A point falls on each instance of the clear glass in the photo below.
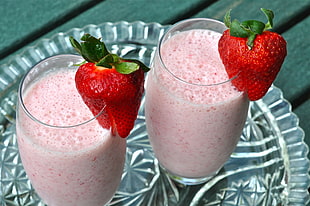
(68, 157)
(193, 126)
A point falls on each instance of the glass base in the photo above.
(187, 180)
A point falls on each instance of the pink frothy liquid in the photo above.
(194, 120)
(79, 165)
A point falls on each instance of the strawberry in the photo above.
(109, 85)
(253, 53)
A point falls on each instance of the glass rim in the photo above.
(170, 72)
(31, 116)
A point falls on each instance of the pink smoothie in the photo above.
(193, 128)
(80, 165)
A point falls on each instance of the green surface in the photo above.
(26, 20)
(161, 11)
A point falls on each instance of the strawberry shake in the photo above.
(68, 156)
(194, 114)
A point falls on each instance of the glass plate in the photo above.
(268, 167)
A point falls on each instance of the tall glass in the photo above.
(194, 115)
(68, 157)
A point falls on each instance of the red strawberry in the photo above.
(109, 84)
(252, 52)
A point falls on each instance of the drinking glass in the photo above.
(192, 128)
(68, 157)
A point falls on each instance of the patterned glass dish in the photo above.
(268, 167)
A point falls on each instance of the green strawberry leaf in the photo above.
(227, 19)
(122, 66)
(237, 30)
(92, 48)
(269, 14)
(126, 67)
(76, 45)
(108, 61)
(142, 66)
(252, 26)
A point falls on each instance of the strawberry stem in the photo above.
(250, 28)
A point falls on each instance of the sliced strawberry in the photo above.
(252, 53)
(109, 85)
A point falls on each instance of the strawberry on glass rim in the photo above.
(249, 50)
(109, 85)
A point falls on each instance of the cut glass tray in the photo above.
(268, 167)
